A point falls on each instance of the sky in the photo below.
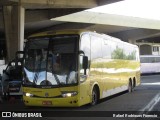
(148, 9)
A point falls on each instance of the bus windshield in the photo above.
(51, 60)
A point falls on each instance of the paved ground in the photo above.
(146, 97)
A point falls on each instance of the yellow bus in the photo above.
(70, 68)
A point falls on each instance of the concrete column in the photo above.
(21, 22)
(8, 31)
(14, 29)
(131, 41)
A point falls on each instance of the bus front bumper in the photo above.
(51, 102)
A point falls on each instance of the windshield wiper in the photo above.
(55, 76)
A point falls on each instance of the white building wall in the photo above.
(155, 48)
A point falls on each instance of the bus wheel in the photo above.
(94, 96)
(134, 84)
(130, 86)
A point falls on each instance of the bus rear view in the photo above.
(150, 64)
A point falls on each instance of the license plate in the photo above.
(46, 102)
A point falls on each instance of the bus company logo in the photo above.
(6, 114)
(46, 94)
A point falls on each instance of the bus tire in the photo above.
(134, 84)
(94, 96)
(130, 86)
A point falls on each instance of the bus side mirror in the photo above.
(81, 52)
(85, 63)
(19, 57)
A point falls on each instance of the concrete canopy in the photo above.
(109, 19)
(66, 14)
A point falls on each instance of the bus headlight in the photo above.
(28, 94)
(69, 94)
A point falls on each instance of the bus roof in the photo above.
(149, 55)
(79, 31)
(66, 31)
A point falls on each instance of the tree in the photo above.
(118, 53)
